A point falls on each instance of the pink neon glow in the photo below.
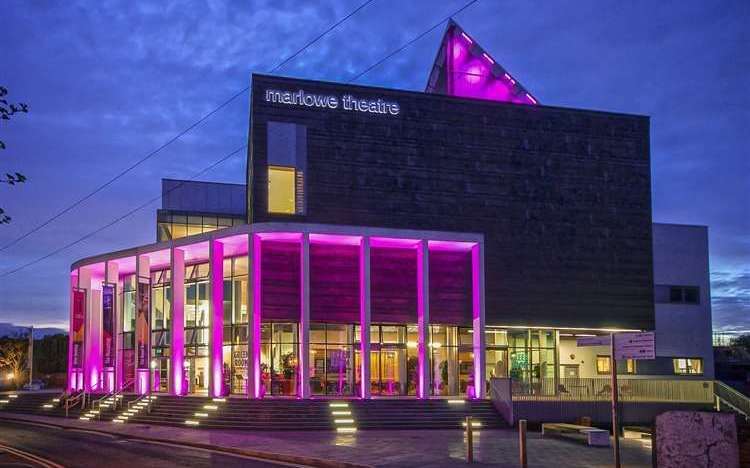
(334, 239)
(179, 386)
(158, 260)
(468, 39)
(142, 381)
(125, 265)
(280, 236)
(476, 300)
(422, 391)
(454, 246)
(217, 319)
(393, 242)
(531, 98)
(256, 305)
(234, 245)
(472, 76)
(72, 377)
(195, 252)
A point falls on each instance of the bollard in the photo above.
(469, 441)
(522, 443)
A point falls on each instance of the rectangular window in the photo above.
(688, 366)
(281, 190)
(602, 365)
(630, 366)
(667, 294)
(287, 164)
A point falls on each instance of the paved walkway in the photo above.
(434, 448)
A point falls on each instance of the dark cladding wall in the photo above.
(562, 195)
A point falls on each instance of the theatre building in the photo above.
(391, 243)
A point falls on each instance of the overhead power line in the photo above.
(180, 134)
(120, 218)
(412, 41)
(144, 205)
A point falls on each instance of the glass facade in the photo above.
(331, 359)
(452, 360)
(196, 327)
(235, 324)
(161, 325)
(279, 357)
(172, 225)
(393, 360)
(128, 301)
(281, 190)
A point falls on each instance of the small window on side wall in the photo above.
(688, 366)
(602, 365)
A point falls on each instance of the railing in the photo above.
(600, 389)
(502, 398)
(731, 397)
(73, 401)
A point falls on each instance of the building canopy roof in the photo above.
(463, 68)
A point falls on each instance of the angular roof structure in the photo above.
(463, 68)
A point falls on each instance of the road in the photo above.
(84, 449)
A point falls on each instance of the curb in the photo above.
(270, 456)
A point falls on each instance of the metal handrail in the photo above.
(137, 400)
(73, 400)
(730, 396)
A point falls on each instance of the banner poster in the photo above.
(128, 364)
(108, 324)
(141, 324)
(79, 326)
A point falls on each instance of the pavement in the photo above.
(393, 448)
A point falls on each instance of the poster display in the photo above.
(142, 325)
(108, 325)
(79, 326)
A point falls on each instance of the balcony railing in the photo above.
(600, 389)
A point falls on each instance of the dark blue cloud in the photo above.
(108, 81)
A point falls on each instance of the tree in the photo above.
(8, 110)
(13, 358)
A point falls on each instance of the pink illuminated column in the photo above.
(143, 324)
(477, 300)
(364, 316)
(216, 314)
(254, 317)
(72, 374)
(119, 323)
(178, 383)
(92, 374)
(423, 318)
(304, 318)
(111, 275)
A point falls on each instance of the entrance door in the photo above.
(198, 375)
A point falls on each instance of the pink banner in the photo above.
(78, 326)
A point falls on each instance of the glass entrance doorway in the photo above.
(197, 370)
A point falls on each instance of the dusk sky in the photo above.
(108, 81)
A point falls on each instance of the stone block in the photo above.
(696, 439)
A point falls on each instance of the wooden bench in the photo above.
(594, 437)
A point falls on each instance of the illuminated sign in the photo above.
(346, 102)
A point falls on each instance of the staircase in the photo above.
(271, 414)
(300, 415)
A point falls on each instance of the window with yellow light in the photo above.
(281, 190)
